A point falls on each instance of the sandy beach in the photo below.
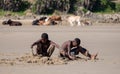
(15, 42)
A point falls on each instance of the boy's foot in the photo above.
(93, 57)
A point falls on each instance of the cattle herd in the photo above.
(52, 20)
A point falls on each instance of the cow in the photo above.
(39, 21)
(35, 22)
(56, 18)
(49, 22)
(73, 20)
(44, 21)
(12, 23)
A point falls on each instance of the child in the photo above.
(45, 47)
(72, 48)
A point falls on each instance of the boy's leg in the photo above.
(63, 53)
(91, 56)
(50, 50)
(74, 52)
(86, 53)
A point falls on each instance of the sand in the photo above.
(16, 58)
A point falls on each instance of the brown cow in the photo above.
(12, 23)
(56, 18)
(39, 21)
(49, 22)
(44, 21)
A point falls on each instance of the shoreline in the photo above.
(29, 23)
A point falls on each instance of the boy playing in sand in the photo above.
(45, 47)
(71, 48)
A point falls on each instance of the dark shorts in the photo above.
(75, 51)
(83, 50)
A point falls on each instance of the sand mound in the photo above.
(28, 59)
(39, 60)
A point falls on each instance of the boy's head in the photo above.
(44, 37)
(76, 42)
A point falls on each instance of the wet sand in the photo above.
(15, 44)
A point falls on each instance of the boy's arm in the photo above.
(35, 43)
(68, 49)
(56, 45)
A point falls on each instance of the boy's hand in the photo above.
(93, 57)
(34, 54)
(31, 47)
(71, 57)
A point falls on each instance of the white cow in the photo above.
(74, 20)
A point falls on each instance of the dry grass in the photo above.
(116, 1)
(32, 1)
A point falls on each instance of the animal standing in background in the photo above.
(12, 23)
(74, 20)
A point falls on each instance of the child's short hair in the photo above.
(44, 36)
(78, 41)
